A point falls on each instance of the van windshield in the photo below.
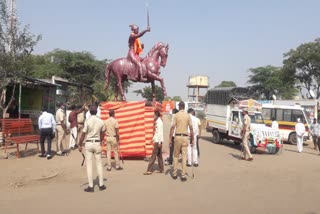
(256, 118)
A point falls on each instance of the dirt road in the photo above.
(286, 183)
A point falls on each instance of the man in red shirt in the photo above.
(74, 125)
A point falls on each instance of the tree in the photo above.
(175, 98)
(146, 93)
(16, 46)
(303, 63)
(77, 67)
(224, 84)
(270, 80)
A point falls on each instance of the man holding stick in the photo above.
(94, 128)
(181, 122)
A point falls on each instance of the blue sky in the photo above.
(220, 39)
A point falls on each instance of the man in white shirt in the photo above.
(300, 130)
(47, 126)
(275, 124)
(157, 145)
(88, 115)
(192, 148)
(169, 161)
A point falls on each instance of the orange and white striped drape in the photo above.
(136, 126)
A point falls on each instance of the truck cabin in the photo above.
(255, 116)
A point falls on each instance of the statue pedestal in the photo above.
(136, 126)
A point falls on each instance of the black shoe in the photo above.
(42, 156)
(49, 157)
(183, 178)
(195, 165)
(119, 168)
(89, 189)
(103, 187)
(174, 177)
(188, 165)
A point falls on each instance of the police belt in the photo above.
(92, 141)
(181, 135)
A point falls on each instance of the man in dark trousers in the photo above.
(181, 122)
(47, 127)
(170, 158)
(157, 145)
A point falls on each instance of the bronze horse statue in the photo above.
(124, 70)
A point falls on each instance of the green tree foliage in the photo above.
(175, 98)
(224, 84)
(76, 67)
(146, 93)
(303, 63)
(16, 45)
(270, 80)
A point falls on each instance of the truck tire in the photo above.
(216, 136)
(293, 138)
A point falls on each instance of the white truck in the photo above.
(224, 121)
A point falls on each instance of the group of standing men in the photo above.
(94, 132)
(184, 134)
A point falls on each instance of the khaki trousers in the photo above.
(112, 144)
(93, 149)
(246, 150)
(60, 136)
(180, 145)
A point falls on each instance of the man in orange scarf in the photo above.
(135, 48)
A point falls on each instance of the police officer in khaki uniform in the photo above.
(245, 136)
(94, 128)
(60, 127)
(112, 139)
(181, 122)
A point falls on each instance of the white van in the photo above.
(286, 116)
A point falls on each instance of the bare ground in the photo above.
(285, 183)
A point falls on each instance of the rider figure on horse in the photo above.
(135, 48)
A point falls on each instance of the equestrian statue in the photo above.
(135, 68)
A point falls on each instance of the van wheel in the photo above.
(216, 136)
(293, 138)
